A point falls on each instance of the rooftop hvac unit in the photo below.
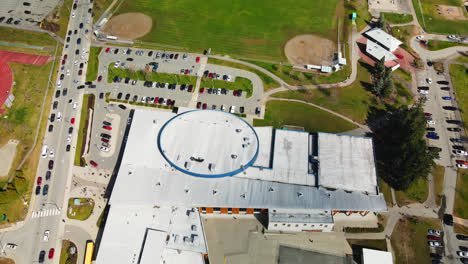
(188, 165)
(212, 166)
(194, 228)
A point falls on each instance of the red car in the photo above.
(234, 93)
(99, 78)
(431, 237)
(210, 75)
(186, 72)
(202, 90)
(107, 127)
(63, 62)
(107, 50)
(80, 72)
(204, 106)
(93, 163)
(51, 253)
(198, 105)
(39, 180)
(399, 56)
(169, 101)
(428, 114)
(198, 59)
(105, 140)
(65, 56)
(72, 120)
(51, 164)
(156, 100)
(462, 162)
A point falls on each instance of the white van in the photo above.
(233, 108)
(59, 116)
(44, 152)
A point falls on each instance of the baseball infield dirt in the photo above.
(129, 25)
(451, 12)
(309, 49)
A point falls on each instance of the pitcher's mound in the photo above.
(309, 49)
(128, 25)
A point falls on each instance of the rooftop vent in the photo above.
(234, 156)
(243, 196)
(246, 139)
(186, 191)
(215, 192)
(194, 228)
(299, 194)
(188, 165)
(212, 166)
(271, 189)
(238, 130)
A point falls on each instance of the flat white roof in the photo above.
(385, 39)
(208, 143)
(347, 162)
(265, 135)
(371, 256)
(378, 52)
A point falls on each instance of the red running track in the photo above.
(6, 78)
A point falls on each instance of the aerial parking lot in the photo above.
(158, 78)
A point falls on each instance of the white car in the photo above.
(429, 80)
(59, 83)
(462, 166)
(434, 244)
(124, 52)
(420, 37)
(68, 72)
(76, 62)
(462, 254)
(223, 107)
(46, 235)
(74, 105)
(431, 122)
(87, 21)
(51, 153)
(69, 139)
(233, 108)
(452, 37)
(11, 246)
(102, 148)
(424, 92)
(143, 99)
(434, 232)
(116, 64)
(73, 15)
(461, 152)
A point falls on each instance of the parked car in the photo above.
(399, 56)
(434, 244)
(41, 256)
(434, 232)
(107, 127)
(51, 253)
(450, 108)
(93, 163)
(432, 237)
(38, 190)
(123, 107)
(46, 235)
(462, 237)
(462, 254)
(448, 98)
(432, 135)
(51, 164)
(45, 190)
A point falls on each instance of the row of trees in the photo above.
(383, 85)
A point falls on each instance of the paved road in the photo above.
(43, 209)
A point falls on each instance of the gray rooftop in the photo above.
(347, 163)
(384, 38)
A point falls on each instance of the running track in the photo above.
(6, 77)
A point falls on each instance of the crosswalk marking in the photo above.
(45, 213)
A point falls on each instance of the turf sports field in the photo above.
(256, 29)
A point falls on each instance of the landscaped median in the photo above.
(80, 208)
(395, 18)
(69, 254)
(93, 64)
(88, 103)
(433, 45)
(149, 76)
(459, 76)
(284, 113)
(240, 83)
(460, 208)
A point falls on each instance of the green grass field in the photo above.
(395, 18)
(81, 128)
(416, 193)
(386, 190)
(268, 82)
(438, 45)
(439, 174)
(93, 64)
(460, 208)
(437, 23)
(32, 38)
(82, 211)
(409, 241)
(280, 113)
(99, 7)
(459, 75)
(462, 59)
(250, 29)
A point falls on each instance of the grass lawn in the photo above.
(460, 208)
(460, 229)
(358, 244)
(361, 9)
(459, 76)
(60, 16)
(403, 74)
(280, 113)
(395, 18)
(65, 253)
(293, 77)
(404, 33)
(26, 37)
(6, 261)
(93, 64)
(268, 82)
(354, 101)
(439, 174)
(99, 6)
(241, 83)
(438, 45)
(416, 193)
(409, 240)
(20, 124)
(239, 27)
(387, 191)
(437, 23)
(462, 59)
(150, 76)
(81, 211)
(83, 128)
